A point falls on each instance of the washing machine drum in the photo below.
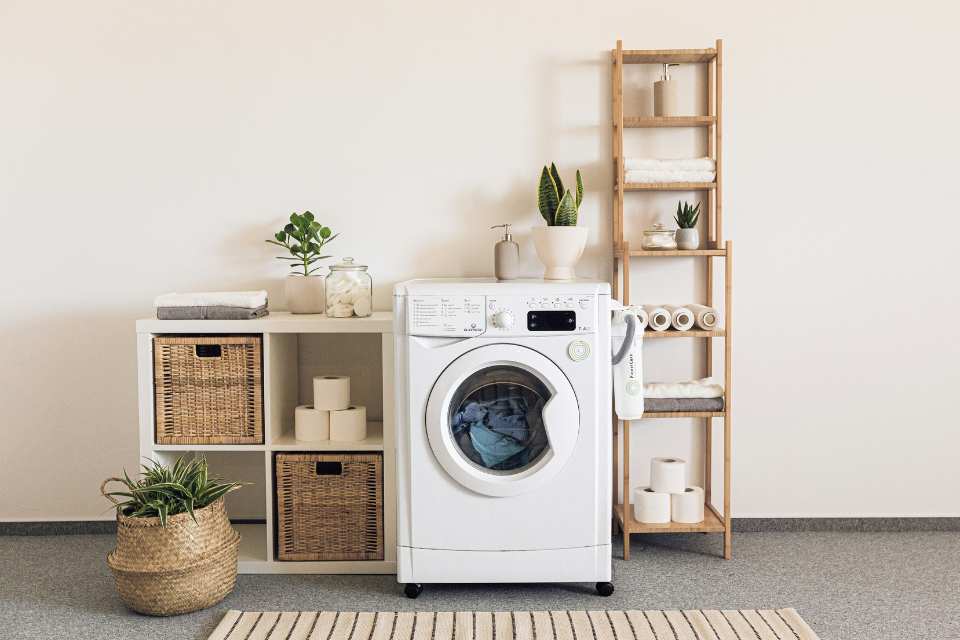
(502, 420)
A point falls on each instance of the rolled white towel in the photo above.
(658, 318)
(667, 164)
(705, 317)
(681, 318)
(646, 177)
(245, 299)
(703, 388)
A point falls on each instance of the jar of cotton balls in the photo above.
(349, 290)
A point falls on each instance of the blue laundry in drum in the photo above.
(498, 428)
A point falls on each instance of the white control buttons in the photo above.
(503, 319)
(578, 350)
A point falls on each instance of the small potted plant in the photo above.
(176, 551)
(560, 244)
(686, 218)
(304, 238)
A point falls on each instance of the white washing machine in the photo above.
(504, 435)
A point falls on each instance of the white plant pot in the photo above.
(688, 239)
(304, 294)
(559, 249)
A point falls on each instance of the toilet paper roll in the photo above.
(668, 475)
(651, 507)
(311, 424)
(658, 318)
(681, 318)
(704, 317)
(349, 425)
(331, 393)
(687, 507)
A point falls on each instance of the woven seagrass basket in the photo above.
(183, 567)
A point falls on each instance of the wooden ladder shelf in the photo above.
(714, 248)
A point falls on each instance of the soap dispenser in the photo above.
(506, 255)
(665, 93)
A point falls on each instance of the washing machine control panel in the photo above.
(507, 315)
(446, 315)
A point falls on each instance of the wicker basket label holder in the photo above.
(329, 506)
(208, 389)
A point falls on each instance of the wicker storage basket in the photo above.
(329, 506)
(183, 567)
(208, 389)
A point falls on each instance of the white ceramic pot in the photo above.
(688, 239)
(304, 294)
(559, 249)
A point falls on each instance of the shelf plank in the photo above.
(656, 415)
(652, 122)
(208, 447)
(711, 524)
(275, 322)
(693, 333)
(660, 56)
(654, 253)
(667, 186)
(374, 442)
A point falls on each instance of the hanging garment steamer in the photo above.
(627, 326)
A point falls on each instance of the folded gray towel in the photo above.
(663, 405)
(210, 313)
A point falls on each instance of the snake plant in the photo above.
(687, 216)
(558, 206)
(163, 491)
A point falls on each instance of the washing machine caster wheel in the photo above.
(605, 589)
(412, 589)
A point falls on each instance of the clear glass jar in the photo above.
(349, 290)
(658, 237)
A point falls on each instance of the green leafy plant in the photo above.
(687, 216)
(163, 491)
(558, 206)
(304, 238)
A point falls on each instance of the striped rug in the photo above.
(706, 624)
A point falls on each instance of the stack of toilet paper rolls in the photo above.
(331, 416)
(668, 498)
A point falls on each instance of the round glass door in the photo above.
(496, 419)
(502, 420)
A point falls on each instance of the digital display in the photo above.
(551, 320)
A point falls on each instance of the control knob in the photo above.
(503, 319)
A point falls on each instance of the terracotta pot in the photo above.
(304, 294)
(559, 249)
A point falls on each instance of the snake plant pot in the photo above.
(688, 239)
(559, 249)
(304, 294)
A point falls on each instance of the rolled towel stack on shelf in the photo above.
(213, 305)
(695, 395)
(668, 498)
(652, 170)
(331, 416)
(681, 317)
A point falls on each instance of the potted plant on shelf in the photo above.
(304, 238)
(687, 216)
(176, 551)
(560, 244)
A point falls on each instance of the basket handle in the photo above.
(103, 490)
(208, 350)
(329, 469)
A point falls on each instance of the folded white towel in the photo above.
(703, 388)
(245, 299)
(664, 164)
(647, 177)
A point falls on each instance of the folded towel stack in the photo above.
(652, 170)
(696, 395)
(216, 305)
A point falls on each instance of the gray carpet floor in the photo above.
(845, 585)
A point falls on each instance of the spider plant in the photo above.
(687, 216)
(163, 491)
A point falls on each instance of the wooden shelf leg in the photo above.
(727, 399)
(627, 511)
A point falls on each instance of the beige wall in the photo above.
(147, 147)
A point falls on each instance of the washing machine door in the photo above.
(502, 420)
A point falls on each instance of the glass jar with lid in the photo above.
(349, 290)
(658, 237)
